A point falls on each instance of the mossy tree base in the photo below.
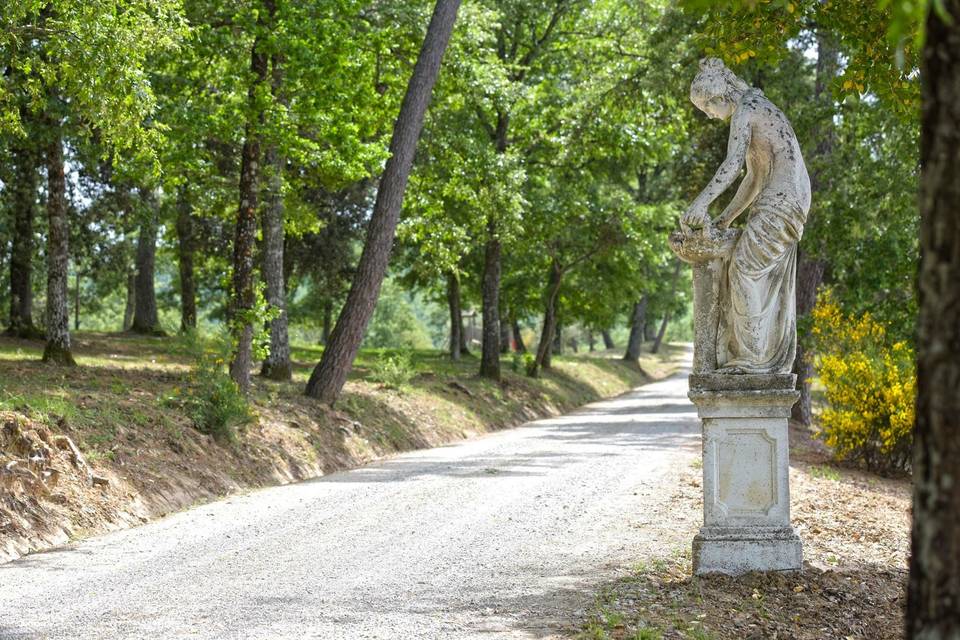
(279, 371)
(56, 354)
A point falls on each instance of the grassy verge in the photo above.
(138, 454)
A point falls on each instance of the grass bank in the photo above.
(106, 445)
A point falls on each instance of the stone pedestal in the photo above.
(746, 466)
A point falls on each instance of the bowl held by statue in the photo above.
(702, 245)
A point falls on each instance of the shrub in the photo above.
(394, 370)
(211, 398)
(870, 388)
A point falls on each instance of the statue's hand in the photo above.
(694, 218)
(722, 223)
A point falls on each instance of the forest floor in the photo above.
(107, 445)
(855, 528)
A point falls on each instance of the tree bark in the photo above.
(591, 341)
(557, 340)
(638, 323)
(243, 299)
(145, 318)
(277, 364)
(186, 243)
(518, 337)
(933, 600)
(809, 276)
(490, 347)
(549, 329)
(607, 340)
(327, 321)
(21, 243)
(811, 267)
(131, 301)
(504, 333)
(57, 349)
(76, 301)
(456, 315)
(330, 374)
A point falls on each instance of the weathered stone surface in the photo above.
(746, 462)
(744, 280)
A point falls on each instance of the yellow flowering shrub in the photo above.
(870, 388)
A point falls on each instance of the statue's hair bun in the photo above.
(711, 63)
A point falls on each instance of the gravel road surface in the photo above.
(503, 536)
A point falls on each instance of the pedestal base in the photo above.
(746, 474)
(735, 551)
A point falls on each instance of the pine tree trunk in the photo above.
(518, 337)
(330, 374)
(277, 364)
(145, 318)
(243, 298)
(933, 601)
(490, 292)
(549, 329)
(456, 315)
(811, 266)
(131, 301)
(57, 349)
(187, 246)
(607, 340)
(638, 323)
(24, 198)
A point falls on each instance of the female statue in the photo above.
(757, 315)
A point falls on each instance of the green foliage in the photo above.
(394, 370)
(210, 397)
(394, 323)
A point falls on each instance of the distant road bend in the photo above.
(502, 536)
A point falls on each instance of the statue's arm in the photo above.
(728, 172)
(746, 194)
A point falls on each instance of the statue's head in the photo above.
(716, 89)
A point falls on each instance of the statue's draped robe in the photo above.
(757, 332)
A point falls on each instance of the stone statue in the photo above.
(745, 324)
(744, 280)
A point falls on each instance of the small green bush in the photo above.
(393, 370)
(211, 398)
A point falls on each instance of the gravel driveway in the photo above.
(504, 536)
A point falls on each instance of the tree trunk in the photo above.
(243, 298)
(591, 341)
(186, 243)
(277, 365)
(607, 340)
(329, 376)
(518, 337)
(131, 300)
(933, 600)
(638, 323)
(76, 301)
(809, 276)
(21, 243)
(145, 318)
(549, 329)
(490, 347)
(558, 340)
(327, 320)
(810, 266)
(504, 333)
(666, 316)
(57, 349)
(456, 315)
(660, 333)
